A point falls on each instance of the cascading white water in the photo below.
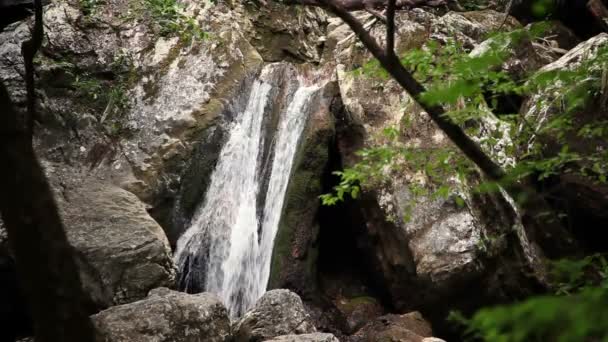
(221, 252)
(290, 128)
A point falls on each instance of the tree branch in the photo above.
(390, 27)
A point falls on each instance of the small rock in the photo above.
(122, 252)
(278, 312)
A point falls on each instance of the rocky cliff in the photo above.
(134, 101)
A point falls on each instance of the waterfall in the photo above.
(227, 248)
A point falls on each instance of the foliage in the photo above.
(577, 311)
(470, 86)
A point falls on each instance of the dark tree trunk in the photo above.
(45, 260)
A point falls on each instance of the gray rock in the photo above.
(122, 252)
(26, 339)
(165, 316)
(278, 312)
(314, 337)
(409, 327)
(3, 238)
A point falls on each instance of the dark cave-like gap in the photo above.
(572, 13)
(344, 271)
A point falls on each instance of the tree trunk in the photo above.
(45, 260)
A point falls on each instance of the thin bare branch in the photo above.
(390, 27)
(46, 262)
(29, 48)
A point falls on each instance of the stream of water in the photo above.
(228, 247)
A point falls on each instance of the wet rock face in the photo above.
(165, 316)
(132, 105)
(440, 247)
(278, 312)
(121, 251)
(295, 250)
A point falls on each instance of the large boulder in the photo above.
(122, 252)
(442, 248)
(278, 312)
(410, 327)
(358, 311)
(314, 337)
(165, 316)
(3, 239)
(584, 195)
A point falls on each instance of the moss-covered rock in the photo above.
(286, 33)
(429, 245)
(294, 260)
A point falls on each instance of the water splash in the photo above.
(222, 250)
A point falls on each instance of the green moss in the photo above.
(297, 229)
